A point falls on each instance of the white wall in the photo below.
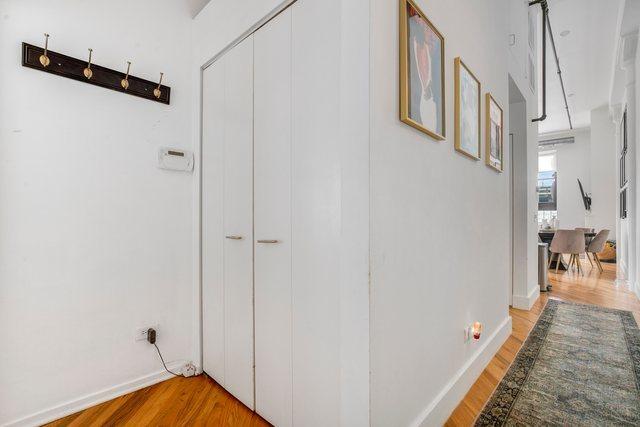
(95, 240)
(330, 197)
(623, 96)
(518, 173)
(439, 226)
(592, 159)
(573, 162)
(525, 170)
(604, 179)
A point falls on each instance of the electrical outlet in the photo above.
(467, 334)
(189, 369)
(141, 333)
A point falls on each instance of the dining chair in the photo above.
(597, 245)
(567, 242)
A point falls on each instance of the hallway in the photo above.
(181, 400)
(592, 288)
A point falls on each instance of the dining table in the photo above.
(546, 236)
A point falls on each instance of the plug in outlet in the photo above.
(189, 369)
(141, 333)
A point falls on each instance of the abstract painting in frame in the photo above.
(422, 103)
(494, 134)
(467, 111)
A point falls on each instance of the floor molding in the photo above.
(437, 412)
(73, 406)
(526, 302)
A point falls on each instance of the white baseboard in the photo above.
(526, 302)
(439, 410)
(81, 403)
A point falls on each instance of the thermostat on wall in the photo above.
(175, 159)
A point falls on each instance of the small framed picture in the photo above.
(421, 72)
(494, 134)
(467, 111)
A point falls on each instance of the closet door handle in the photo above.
(268, 241)
(234, 237)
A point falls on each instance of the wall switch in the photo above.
(141, 333)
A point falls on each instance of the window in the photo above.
(547, 218)
(623, 166)
(547, 191)
(623, 151)
(547, 183)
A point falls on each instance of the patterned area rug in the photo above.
(579, 366)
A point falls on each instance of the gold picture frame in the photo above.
(434, 91)
(496, 164)
(463, 146)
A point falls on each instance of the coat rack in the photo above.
(84, 71)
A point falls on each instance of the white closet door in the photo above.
(272, 98)
(227, 221)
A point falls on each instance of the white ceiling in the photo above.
(195, 6)
(586, 57)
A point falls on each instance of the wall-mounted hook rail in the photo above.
(73, 68)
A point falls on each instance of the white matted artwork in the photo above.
(494, 134)
(467, 111)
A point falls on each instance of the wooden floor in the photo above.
(195, 401)
(200, 401)
(592, 288)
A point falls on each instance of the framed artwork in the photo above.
(494, 134)
(421, 72)
(467, 111)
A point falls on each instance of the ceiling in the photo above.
(586, 56)
(195, 6)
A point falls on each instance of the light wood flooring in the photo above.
(195, 401)
(201, 401)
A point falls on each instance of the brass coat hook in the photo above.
(157, 92)
(125, 82)
(44, 59)
(87, 71)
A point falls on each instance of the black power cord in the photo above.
(151, 337)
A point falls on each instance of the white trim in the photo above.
(526, 302)
(439, 410)
(92, 399)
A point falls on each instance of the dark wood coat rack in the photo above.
(73, 68)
